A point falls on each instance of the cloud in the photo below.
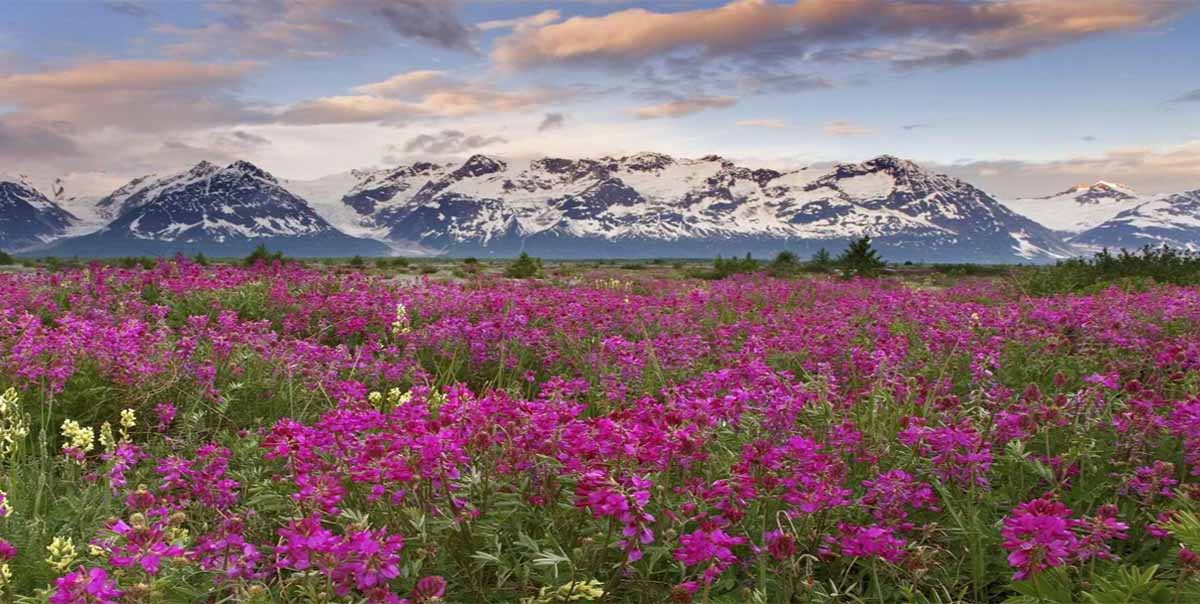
(133, 95)
(348, 110)
(917, 126)
(682, 107)
(541, 19)
(128, 8)
(417, 94)
(762, 123)
(407, 84)
(844, 128)
(1149, 169)
(316, 28)
(552, 121)
(449, 142)
(1191, 97)
(905, 32)
(22, 142)
(238, 140)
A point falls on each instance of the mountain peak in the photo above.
(891, 163)
(248, 169)
(480, 165)
(646, 161)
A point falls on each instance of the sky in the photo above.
(1021, 97)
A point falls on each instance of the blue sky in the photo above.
(1020, 96)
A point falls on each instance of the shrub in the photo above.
(821, 261)
(725, 267)
(860, 259)
(1126, 268)
(524, 267)
(261, 254)
(785, 264)
(5, 259)
(356, 261)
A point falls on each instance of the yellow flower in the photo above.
(574, 591)
(5, 509)
(375, 397)
(106, 437)
(62, 553)
(79, 437)
(5, 576)
(401, 324)
(128, 419)
(14, 425)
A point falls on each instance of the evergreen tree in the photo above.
(524, 267)
(785, 264)
(860, 259)
(822, 261)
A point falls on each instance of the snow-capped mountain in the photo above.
(1079, 208)
(27, 217)
(651, 204)
(1172, 220)
(223, 211)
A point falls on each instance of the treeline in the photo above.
(859, 259)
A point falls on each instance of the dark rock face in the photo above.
(28, 218)
(1173, 220)
(652, 202)
(217, 209)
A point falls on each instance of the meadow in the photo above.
(182, 431)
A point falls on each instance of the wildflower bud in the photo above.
(138, 521)
(62, 553)
(138, 592)
(128, 419)
(177, 518)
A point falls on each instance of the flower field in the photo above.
(188, 433)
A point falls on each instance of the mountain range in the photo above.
(643, 205)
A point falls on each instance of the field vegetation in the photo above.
(820, 430)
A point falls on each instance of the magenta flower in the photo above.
(708, 546)
(7, 551)
(1038, 535)
(429, 589)
(90, 586)
(871, 541)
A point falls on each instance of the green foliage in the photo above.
(860, 259)
(398, 262)
(6, 259)
(524, 267)
(726, 267)
(822, 261)
(968, 270)
(356, 262)
(201, 259)
(785, 264)
(1131, 270)
(135, 262)
(261, 254)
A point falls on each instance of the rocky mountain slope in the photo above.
(27, 218)
(1172, 220)
(222, 211)
(1079, 208)
(656, 205)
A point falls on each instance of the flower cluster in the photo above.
(286, 433)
